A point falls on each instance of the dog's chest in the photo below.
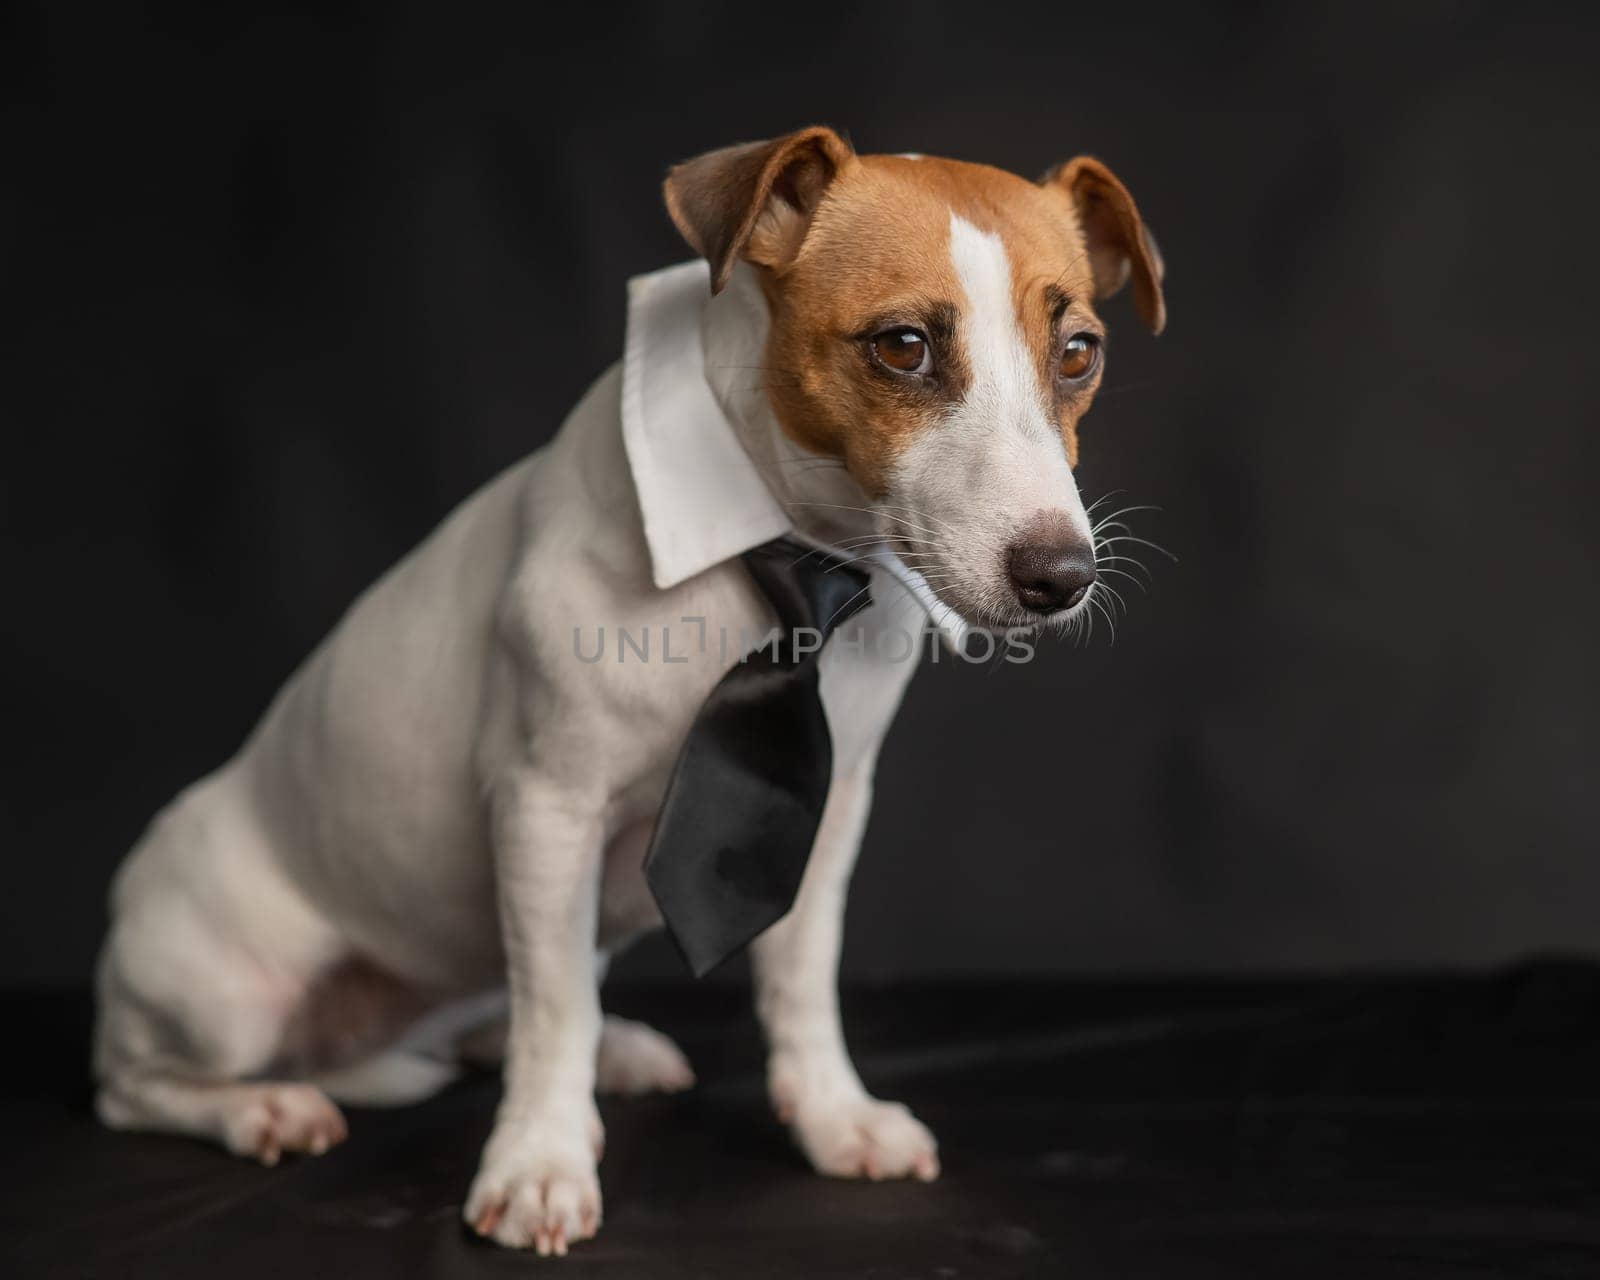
(657, 686)
(621, 679)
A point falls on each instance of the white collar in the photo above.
(701, 496)
(702, 499)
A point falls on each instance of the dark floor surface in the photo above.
(1371, 1130)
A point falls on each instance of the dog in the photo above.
(430, 846)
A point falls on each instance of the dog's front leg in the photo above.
(843, 1130)
(536, 1182)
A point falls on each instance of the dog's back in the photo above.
(349, 825)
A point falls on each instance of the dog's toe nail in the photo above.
(488, 1219)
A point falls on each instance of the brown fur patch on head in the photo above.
(848, 246)
(877, 255)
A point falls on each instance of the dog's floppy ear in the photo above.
(1119, 244)
(754, 200)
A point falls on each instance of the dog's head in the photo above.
(933, 327)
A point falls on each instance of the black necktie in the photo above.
(745, 800)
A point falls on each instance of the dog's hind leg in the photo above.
(206, 969)
(632, 1058)
(261, 1120)
(182, 1061)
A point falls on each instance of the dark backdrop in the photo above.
(284, 289)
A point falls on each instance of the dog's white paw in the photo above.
(264, 1121)
(858, 1136)
(536, 1185)
(635, 1059)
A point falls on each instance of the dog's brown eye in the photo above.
(1079, 356)
(903, 350)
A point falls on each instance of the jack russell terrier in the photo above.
(433, 842)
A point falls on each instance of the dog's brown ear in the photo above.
(754, 200)
(1119, 244)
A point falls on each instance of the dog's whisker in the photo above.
(1110, 536)
(1143, 542)
(836, 506)
(1138, 574)
(1132, 507)
(854, 544)
(1113, 593)
(1123, 573)
(900, 522)
(1124, 511)
(1104, 497)
(926, 515)
(1114, 520)
(1111, 622)
(845, 606)
(868, 511)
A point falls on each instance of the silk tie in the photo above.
(745, 800)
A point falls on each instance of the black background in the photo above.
(285, 288)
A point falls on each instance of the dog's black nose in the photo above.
(1051, 566)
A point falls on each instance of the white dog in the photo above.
(452, 796)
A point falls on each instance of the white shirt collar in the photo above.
(702, 499)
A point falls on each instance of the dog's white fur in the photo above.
(996, 454)
(447, 792)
